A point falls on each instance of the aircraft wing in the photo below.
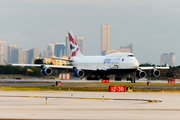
(150, 68)
(57, 66)
(42, 65)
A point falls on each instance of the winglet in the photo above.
(6, 62)
(167, 65)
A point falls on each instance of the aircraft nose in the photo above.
(136, 64)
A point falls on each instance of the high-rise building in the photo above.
(128, 48)
(105, 38)
(68, 53)
(18, 56)
(3, 52)
(59, 50)
(11, 49)
(51, 47)
(168, 59)
(80, 43)
(32, 53)
(45, 53)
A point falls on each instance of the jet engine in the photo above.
(46, 71)
(79, 73)
(140, 74)
(155, 73)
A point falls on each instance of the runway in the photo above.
(88, 105)
(30, 82)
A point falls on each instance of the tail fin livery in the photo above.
(75, 51)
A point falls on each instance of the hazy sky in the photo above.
(153, 26)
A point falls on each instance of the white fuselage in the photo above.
(111, 61)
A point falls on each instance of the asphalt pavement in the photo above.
(43, 82)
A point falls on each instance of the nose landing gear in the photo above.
(117, 78)
(131, 79)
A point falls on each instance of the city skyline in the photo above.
(152, 26)
(18, 55)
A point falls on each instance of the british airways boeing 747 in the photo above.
(100, 66)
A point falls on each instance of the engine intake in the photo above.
(155, 73)
(140, 74)
(79, 73)
(46, 71)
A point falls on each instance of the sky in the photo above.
(152, 26)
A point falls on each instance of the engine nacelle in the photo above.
(155, 73)
(46, 71)
(140, 74)
(79, 73)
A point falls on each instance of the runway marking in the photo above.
(150, 101)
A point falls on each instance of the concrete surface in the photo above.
(60, 105)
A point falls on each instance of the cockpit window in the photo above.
(130, 56)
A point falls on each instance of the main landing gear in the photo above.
(92, 78)
(117, 78)
(105, 78)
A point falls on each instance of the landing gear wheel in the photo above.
(106, 78)
(133, 80)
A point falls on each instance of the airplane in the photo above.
(101, 67)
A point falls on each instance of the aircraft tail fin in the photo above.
(74, 48)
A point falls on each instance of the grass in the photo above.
(73, 88)
(53, 88)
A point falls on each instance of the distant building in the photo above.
(18, 56)
(128, 48)
(32, 53)
(168, 59)
(54, 61)
(45, 53)
(11, 49)
(124, 50)
(59, 50)
(68, 53)
(3, 52)
(51, 47)
(105, 38)
(111, 51)
(80, 43)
